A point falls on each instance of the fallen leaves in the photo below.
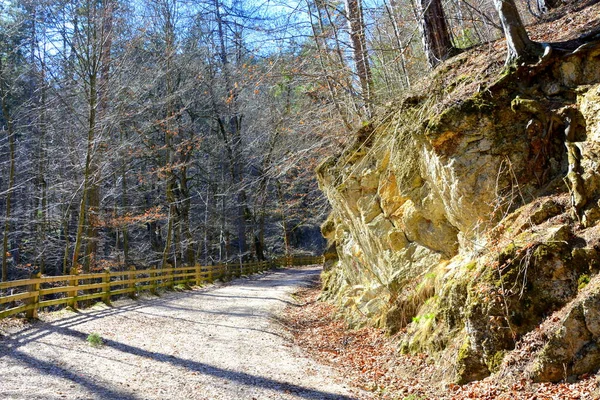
(372, 362)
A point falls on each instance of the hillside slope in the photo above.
(467, 216)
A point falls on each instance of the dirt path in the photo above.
(212, 343)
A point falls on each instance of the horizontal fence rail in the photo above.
(39, 291)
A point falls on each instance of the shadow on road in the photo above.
(10, 345)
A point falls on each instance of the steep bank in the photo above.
(467, 216)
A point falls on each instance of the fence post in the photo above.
(198, 275)
(153, 281)
(106, 287)
(131, 284)
(74, 282)
(33, 288)
(189, 279)
(171, 278)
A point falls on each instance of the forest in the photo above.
(175, 132)
(301, 199)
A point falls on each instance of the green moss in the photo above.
(494, 362)
(328, 226)
(464, 350)
(507, 253)
(469, 364)
(471, 265)
(583, 281)
(432, 301)
(525, 105)
(404, 348)
(552, 249)
(424, 317)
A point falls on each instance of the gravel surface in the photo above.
(220, 342)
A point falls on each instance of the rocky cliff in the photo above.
(466, 219)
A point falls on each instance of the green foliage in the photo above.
(95, 340)
(465, 39)
(413, 397)
(471, 265)
(426, 282)
(424, 317)
(583, 281)
(495, 361)
(180, 287)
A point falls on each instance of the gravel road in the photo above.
(219, 342)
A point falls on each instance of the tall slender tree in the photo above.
(437, 43)
(357, 30)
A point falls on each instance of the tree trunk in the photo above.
(11, 173)
(520, 47)
(169, 29)
(41, 180)
(434, 31)
(167, 248)
(104, 40)
(124, 204)
(546, 5)
(87, 173)
(332, 94)
(356, 26)
(65, 232)
(391, 11)
(186, 205)
(286, 236)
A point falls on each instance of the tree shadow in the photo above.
(289, 303)
(9, 348)
(48, 368)
(241, 328)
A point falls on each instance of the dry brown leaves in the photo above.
(371, 361)
(570, 23)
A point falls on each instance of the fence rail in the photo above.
(45, 291)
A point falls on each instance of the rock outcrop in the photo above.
(465, 223)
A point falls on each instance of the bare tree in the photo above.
(437, 43)
(519, 45)
(356, 27)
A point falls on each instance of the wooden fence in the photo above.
(45, 291)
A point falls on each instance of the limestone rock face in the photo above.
(465, 225)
